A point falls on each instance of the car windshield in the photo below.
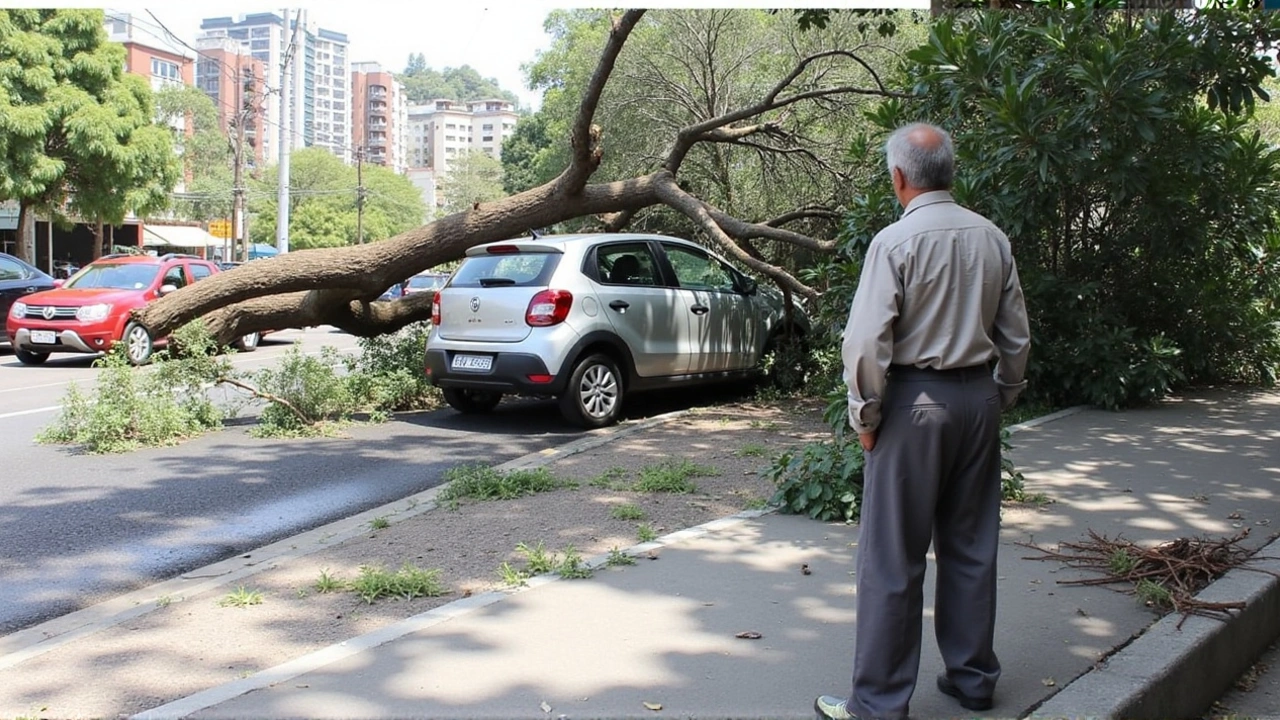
(130, 276)
(426, 282)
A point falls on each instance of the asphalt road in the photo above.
(76, 529)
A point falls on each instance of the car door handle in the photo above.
(619, 305)
(700, 309)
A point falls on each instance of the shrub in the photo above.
(303, 391)
(388, 374)
(132, 407)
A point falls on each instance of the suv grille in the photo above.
(37, 312)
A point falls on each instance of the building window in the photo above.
(165, 69)
(260, 45)
(487, 138)
(260, 32)
(487, 126)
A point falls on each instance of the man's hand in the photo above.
(868, 440)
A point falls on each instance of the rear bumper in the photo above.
(509, 373)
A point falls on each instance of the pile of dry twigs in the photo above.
(1165, 577)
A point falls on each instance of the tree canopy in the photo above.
(205, 151)
(322, 202)
(423, 84)
(76, 133)
(473, 177)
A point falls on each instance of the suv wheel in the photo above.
(594, 396)
(248, 343)
(26, 357)
(137, 344)
(472, 401)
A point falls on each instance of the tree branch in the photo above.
(671, 194)
(585, 137)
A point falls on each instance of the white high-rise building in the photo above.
(443, 129)
(320, 78)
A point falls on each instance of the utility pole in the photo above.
(360, 195)
(286, 135)
(239, 249)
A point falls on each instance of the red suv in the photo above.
(91, 312)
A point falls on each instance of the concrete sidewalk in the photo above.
(664, 632)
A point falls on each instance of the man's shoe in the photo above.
(832, 708)
(968, 703)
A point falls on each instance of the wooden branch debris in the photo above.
(1166, 576)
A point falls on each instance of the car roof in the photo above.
(573, 241)
(123, 258)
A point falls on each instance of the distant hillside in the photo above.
(422, 84)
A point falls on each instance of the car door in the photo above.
(15, 281)
(719, 313)
(649, 317)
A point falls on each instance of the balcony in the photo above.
(377, 92)
(376, 143)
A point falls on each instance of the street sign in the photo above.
(220, 228)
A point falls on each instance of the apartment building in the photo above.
(146, 56)
(237, 83)
(320, 81)
(444, 129)
(379, 116)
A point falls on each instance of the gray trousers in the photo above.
(933, 474)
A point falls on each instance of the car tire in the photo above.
(138, 345)
(248, 343)
(472, 401)
(26, 357)
(593, 398)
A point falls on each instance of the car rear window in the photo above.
(434, 282)
(514, 270)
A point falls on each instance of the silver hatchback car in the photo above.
(589, 319)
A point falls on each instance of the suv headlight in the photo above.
(92, 313)
(18, 310)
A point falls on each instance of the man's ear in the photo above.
(899, 179)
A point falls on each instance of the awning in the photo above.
(183, 236)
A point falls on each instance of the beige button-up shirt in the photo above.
(939, 289)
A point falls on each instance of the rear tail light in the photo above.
(435, 310)
(502, 249)
(549, 307)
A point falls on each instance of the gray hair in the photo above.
(924, 154)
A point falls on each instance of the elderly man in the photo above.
(938, 301)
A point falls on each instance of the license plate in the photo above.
(472, 362)
(44, 337)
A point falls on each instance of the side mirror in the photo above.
(748, 286)
(166, 289)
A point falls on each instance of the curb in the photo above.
(1169, 672)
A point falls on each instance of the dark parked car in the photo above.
(17, 279)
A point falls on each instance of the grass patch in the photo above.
(671, 476)
(481, 482)
(617, 557)
(752, 450)
(408, 582)
(611, 479)
(627, 511)
(572, 567)
(646, 533)
(241, 598)
(328, 583)
(379, 523)
(539, 560)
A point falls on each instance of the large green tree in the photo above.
(76, 134)
(322, 203)
(1140, 200)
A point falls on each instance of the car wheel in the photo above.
(594, 396)
(472, 401)
(248, 343)
(137, 344)
(26, 357)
